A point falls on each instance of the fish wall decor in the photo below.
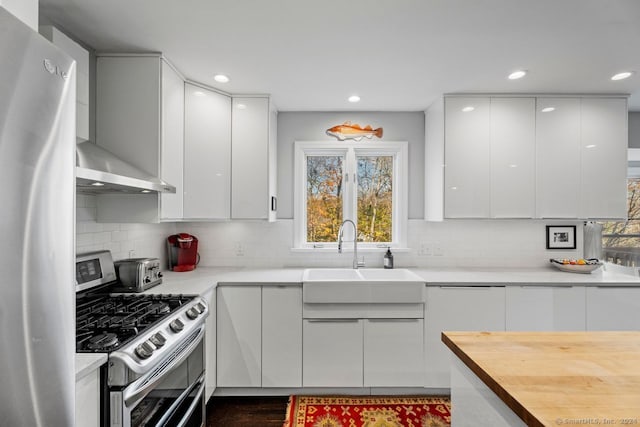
(353, 131)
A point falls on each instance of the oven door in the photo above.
(172, 395)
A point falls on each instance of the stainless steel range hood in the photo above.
(100, 171)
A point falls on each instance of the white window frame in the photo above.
(351, 149)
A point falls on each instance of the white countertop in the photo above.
(521, 276)
(88, 362)
(203, 279)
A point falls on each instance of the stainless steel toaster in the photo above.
(137, 274)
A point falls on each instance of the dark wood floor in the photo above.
(246, 411)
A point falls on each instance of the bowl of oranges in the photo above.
(576, 265)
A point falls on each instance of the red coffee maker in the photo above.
(183, 252)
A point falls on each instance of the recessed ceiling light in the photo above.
(548, 109)
(517, 75)
(590, 146)
(221, 78)
(97, 184)
(354, 98)
(622, 76)
(467, 109)
(145, 191)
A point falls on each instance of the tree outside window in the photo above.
(623, 237)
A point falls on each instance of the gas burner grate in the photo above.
(101, 317)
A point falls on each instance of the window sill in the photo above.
(334, 250)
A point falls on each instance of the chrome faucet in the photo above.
(356, 263)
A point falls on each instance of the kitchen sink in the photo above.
(330, 274)
(361, 286)
(359, 275)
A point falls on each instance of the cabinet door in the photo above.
(239, 338)
(613, 309)
(172, 142)
(557, 157)
(250, 158)
(512, 157)
(531, 308)
(210, 343)
(332, 353)
(604, 158)
(128, 109)
(88, 400)
(282, 336)
(473, 308)
(393, 353)
(207, 154)
(467, 158)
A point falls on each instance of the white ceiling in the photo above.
(398, 55)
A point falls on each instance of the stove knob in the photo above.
(158, 340)
(145, 350)
(193, 313)
(201, 307)
(147, 279)
(159, 274)
(176, 326)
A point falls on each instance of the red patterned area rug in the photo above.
(368, 411)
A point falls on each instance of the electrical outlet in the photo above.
(132, 253)
(437, 249)
(424, 250)
(239, 249)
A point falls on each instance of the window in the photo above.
(621, 239)
(361, 181)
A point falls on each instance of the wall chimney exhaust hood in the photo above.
(100, 171)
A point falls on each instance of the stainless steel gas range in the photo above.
(155, 374)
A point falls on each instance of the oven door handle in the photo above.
(140, 388)
(193, 405)
(199, 384)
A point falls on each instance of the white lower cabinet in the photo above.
(613, 308)
(239, 352)
(363, 353)
(332, 353)
(545, 308)
(282, 336)
(88, 400)
(457, 308)
(259, 336)
(393, 353)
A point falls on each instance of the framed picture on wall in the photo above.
(561, 236)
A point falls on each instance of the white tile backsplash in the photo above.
(123, 240)
(452, 243)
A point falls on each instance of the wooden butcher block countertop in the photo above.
(557, 378)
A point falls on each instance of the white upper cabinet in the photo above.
(207, 154)
(253, 159)
(526, 157)
(603, 150)
(512, 157)
(557, 157)
(172, 151)
(139, 117)
(81, 56)
(467, 158)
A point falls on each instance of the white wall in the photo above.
(25, 10)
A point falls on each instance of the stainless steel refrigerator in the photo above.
(37, 225)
